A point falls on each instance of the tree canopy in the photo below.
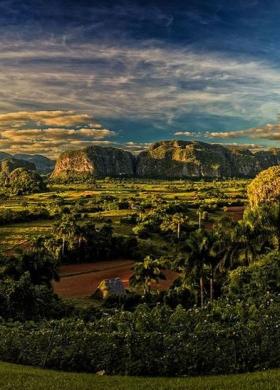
(265, 188)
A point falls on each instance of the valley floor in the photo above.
(15, 377)
(81, 280)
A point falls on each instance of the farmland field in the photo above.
(229, 196)
(231, 193)
(81, 280)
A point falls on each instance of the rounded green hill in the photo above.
(265, 188)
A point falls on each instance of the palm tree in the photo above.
(268, 218)
(177, 221)
(68, 230)
(238, 243)
(147, 272)
(202, 215)
(248, 239)
(174, 223)
(198, 248)
(221, 250)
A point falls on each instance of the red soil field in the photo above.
(236, 212)
(81, 280)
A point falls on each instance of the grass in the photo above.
(15, 377)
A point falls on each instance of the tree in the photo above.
(247, 241)
(222, 240)
(268, 219)
(253, 282)
(198, 257)
(147, 272)
(38, 263)
(202, 216)
(174, 223)
(68, 230)
(23, 181)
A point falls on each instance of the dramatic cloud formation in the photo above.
(159, 84)
(144, 70)
(49, 132)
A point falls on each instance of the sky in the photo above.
(75, 73)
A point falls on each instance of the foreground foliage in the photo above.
(226, 337)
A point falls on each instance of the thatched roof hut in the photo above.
(109, 287)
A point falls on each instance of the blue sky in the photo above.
(135, 72)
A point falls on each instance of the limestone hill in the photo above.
(166, 159)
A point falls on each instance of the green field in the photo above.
(15, 377)
(193, 193)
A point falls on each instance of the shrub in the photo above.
(228, 337)
(22, 181)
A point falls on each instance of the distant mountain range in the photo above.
(42, 163)
(166, 159)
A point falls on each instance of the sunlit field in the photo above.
(229, 193)
(220, 197)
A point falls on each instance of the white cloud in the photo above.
(186, 133)
(32, 132)
(266, 132)
(150, 81)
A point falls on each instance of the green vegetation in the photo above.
(265, 188)
(219, 316)
(21, 181)
(164, 159)
(15, 377)
(29, 216)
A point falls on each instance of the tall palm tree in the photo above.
(147, 272)
(249, 238)
(198, 251)
(222, 243)
(174, 223)
(240, 242)
(202, 216)
(177, 221)
(68, 230)
(268, 217)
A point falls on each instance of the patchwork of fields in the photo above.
(136, 195)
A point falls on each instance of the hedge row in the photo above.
(223, 339)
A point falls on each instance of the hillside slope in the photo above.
(166, 159)
(174, 159)
(43, 164)
(94, 161)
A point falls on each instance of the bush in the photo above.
(21, 300)
(22, 181)
(225, 338)
(259, 278)
(8, 216)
